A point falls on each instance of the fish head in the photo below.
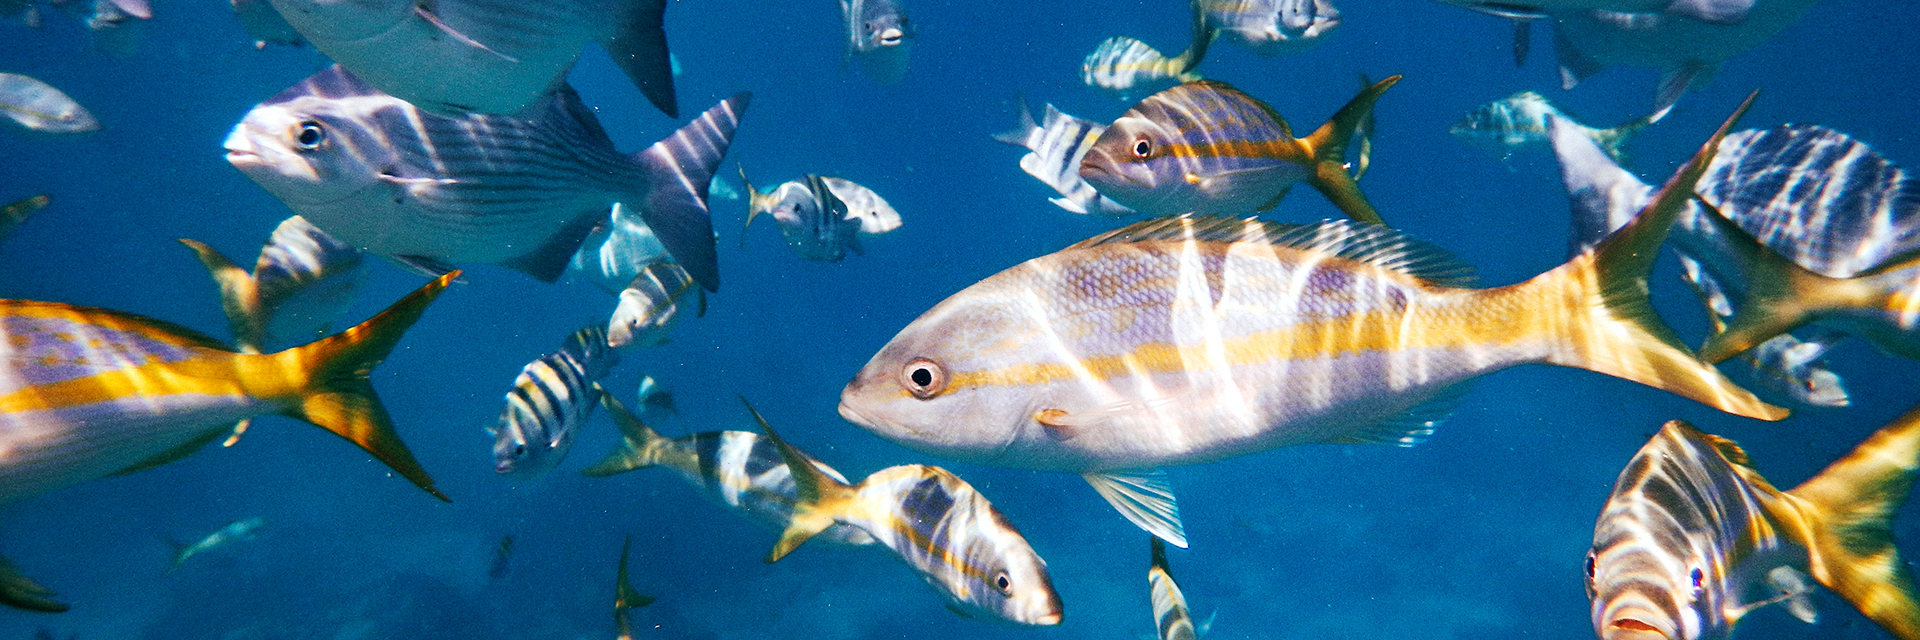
(976, 558)
(318, 143)
(1016, 587)
(1135, 162)
(520, 448)
(1656, 570)
(326, 21)
(882, 24)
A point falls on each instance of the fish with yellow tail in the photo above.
(1188, 340)
(86, 393)
(1207, 148)
(936, 523)
(625, 597)
(1693, 538)
(1130, 67)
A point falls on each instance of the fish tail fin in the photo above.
(1020, 134)
(1781, 296)
(1849, 508)
(813, 492)
(625, 597)
(237, 296)
(679, 168)
(337, 394)
(639, 47)
(1183, 64)
(21, 592)
(755, 202)
(1328, 145)
(639, 444)
(1611, 139)
(1610, 326)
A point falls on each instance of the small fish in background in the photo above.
(1729, 12)
(649, 307)
(935, 522)
(502, 57)
(879, 33)
(1676, 38)
(265, 25)
(39, 107)
(550, 400)
(721, 188)
(22, 10)
(1520, 120)
(625, 597)
(1127, 66)
(1693, 538)
(738, 469)
(1055, 147)
(1784, 366)
(656, 403)
(21, 592)
(1271, 27)
(522, 192)
(1207, 148)
(236, 531)
(12, 215)
(821, 217)
(618, 250)
(502, 559)
(301, 283)
(1170, 615)
(116, 24)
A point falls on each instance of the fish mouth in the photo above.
(1633, 629)
(1048, 620)
(891, 37)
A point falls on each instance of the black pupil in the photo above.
(924, 377)
(519, 450)
(310, 134)
(1696, 578)
(1589, 566)
(1141, 148)
(1003, 582)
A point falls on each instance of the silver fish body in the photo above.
(650, 306)
(1170, 615)
(816, 223)
(1130, 67)
(1675, 39)
(1056, 145)
(550, 400)
(1520, 120)
(618, 251)
(38, 106)
(234, 532)
(302, 282)
(864, 206)
(1272, 27)
(880, 34)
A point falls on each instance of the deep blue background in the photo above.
(1479, 533)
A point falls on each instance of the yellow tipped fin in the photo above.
(637, 440)
(237, 296)
(811, 489)
(1328, 145)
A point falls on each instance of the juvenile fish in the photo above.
(302, 281)
(878, 32)
(521, 192)
(1520, 120)
(650, 306)
(39, 107)
(1272, 27)
(1693, 538)
(233, 532)
(936, 523)
(625, 597)
(11, 216)
(550, 400)
(1056, 146)
(1206, 148)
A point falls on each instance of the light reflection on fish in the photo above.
(1520, 120)
(880, 34)
(550, 400)
(234, 532)
(821, 217)
(38, 106)
(1055, 147)
(302, 281)
(649, 307)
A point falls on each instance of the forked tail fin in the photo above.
(1328, 146)
(814, 494)
(639, 444)
(679, 168)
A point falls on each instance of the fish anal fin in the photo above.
(178, 452)
(639, 48)
(547, 262)
(815, 493)
(19, 591)
(1145, 498)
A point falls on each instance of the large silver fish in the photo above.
(234, 532)
(451, 57)
(1693, 538)
(1520, 120)
(522, 192)
(936, 523)
(1055, 147)
(1188, 340)
(302, 281)
(650, 306)
(264, 24)
(1686, 46)
(39, 107)
(879, 33)
(550, 400)
(1271, 27)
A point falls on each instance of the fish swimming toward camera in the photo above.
(550, 400)
(1520, 120)
(1685, 45)
(1693, 538)
(738, 469)
(302, 281)
(880, 34)
(1271, 27)
(821, 217)
(522, 192)
(1188, 340)
(1207, 148)
(39, 107)
(1055, 147)
(936, 523)
(650, 306)
(236, 531)
(86, 393)
(625, 597)
(12, 215)
(502, 57)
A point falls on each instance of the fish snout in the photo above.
(240, 148)
(1635, 622)
(892, 36)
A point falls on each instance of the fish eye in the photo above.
(923, 378)
(1004, 583)
(1698, 578)
(310, 136)
(1142, 148)
(519, 451)
(1590, 567)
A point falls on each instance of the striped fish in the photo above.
(738, 469)
(39, 107)
(879, 33)
(625, 597)
(487, 56)
(816, 222)
(618, 251)
(522, 192)
(1206, 148)
(550, 400)
(649, 307)
(86, 393)
(1693, 538)
(1170, 615)
(936, 523)
(1272, 27)
(1055, 148)
(12, 215)
(1520, 120)
(302, 281)
(1188, 340)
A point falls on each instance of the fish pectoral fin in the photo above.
(462, 38)
(178, 452)
(17, 590)
(395, 179)
(1146, 498)
(1795, 587)
(1063, 424)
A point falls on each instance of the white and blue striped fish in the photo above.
(550, 400)
(302, 281)
(1693, 538)
(816, 220)
(936, 523)
(1170, 615)
(1272, 27)
(739, 469)
(650, 306)
(523, 192)
(1055, 147)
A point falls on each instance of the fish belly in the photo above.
(421, 63)
(45, 450)
(450, 226)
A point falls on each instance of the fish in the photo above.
(86, 393)
(936, 523)
(1170, 615)
(499, 57)
(625, 597)
(302, 282)
(1686, 47)
(550, 400)
(1693, 538)
(385, 177)
(1725, 12)
(1520, 120)
(265, 25)
(649, 307)
(1207, 148)
(617, 251)
(234, 532)
(1271, 27)
(1055, 147)
(39, 107)
(116, 24)
(502, 559)
(738, 469)
(816, 223)
(879, 33)
(1786, 365)
(13, 215)
(1187, 340)
(875, 216)
(1124, 66)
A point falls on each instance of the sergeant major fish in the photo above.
(38, 106)
(1170, 615)
(86, 393)
(383, 176)
(1125, 66)
(233, 532)
(936, 523)
(1271, 27)
(550, 399)
(878, 32)
(1056, 146)
(1520, 120)
(649, 307)
(822, 217)
(1188, 340)
(1693, 538)
(1206, 148)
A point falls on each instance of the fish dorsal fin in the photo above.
(1371, 244)
(1730, 450)
(1145, 498)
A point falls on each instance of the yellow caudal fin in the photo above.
(1328, 148)
(756, 201)
(1604, 320)
(238, 297)
(1183, 64)
(337, 394)
(639, 444)
(813, 492)
(19, 591)
(1848, 510)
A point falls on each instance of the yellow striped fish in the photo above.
(86, 393)
(936, 523)
(1693, 538)
(1207, 148)
(1188, 340)
(1121, 64)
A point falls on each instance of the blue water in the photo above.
(1479, 533)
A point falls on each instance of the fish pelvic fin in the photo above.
(1846, 514)
(814, 494)
(21, 592)
(338, 395)
(1146, 498)
(1327, 147)
(239, 298)
(679, 168)
(640, 445)
(1608, 324)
